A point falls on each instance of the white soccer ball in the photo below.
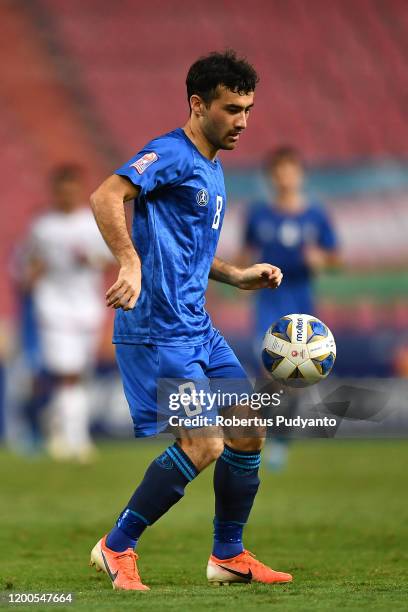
(298, 350)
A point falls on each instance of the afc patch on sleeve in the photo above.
(144, 162)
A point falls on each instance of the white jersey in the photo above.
(69, 295)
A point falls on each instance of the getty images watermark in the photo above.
(333, 408)
(199, 408)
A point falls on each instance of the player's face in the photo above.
(287, 176)
(224, 120)
(68, 195)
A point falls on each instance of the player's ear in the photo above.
(197, 105)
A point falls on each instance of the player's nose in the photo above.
(241, 121)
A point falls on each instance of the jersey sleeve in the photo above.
(162, 162)
(327, 238)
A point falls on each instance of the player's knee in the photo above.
(215, 449)
(247, 444)
(202, 451)
(209, 450)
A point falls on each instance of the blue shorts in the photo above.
(148, 369)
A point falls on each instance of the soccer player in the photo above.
(63, 272)
(298, 236)
(162, 329)
(293, 232)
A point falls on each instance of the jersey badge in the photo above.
(144, 162)
(202, 197)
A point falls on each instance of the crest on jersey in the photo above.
(202, 197)
(144, 162)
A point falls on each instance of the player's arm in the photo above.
(32, 271)
(30, 265)
(257, 276)
(324, 254)
(108, 207)
(319, 259)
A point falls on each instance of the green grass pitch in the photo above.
(337, 519)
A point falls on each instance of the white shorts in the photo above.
(68, 352)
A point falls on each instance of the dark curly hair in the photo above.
(215, 69)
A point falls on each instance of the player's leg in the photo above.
(278, 441)
(70, 428)
(66, 356)
(236, 483)
(236, 471)
(168, 475)
(163, 485)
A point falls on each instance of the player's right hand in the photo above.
(125, 292)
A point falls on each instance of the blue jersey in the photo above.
(177, 221)
(280, 239)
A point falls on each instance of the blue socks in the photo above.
(162, 486)
(227, 539)
(236, 483)
(119, 540)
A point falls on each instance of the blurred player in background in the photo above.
(64, 270)
(296, 234)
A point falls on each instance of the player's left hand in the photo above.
(260, 276)
(315, 257)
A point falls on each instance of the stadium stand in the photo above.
(40, 127)
(334, 80)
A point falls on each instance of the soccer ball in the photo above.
(298, 350)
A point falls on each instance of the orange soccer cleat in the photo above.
(120, 566)
(242, 568)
